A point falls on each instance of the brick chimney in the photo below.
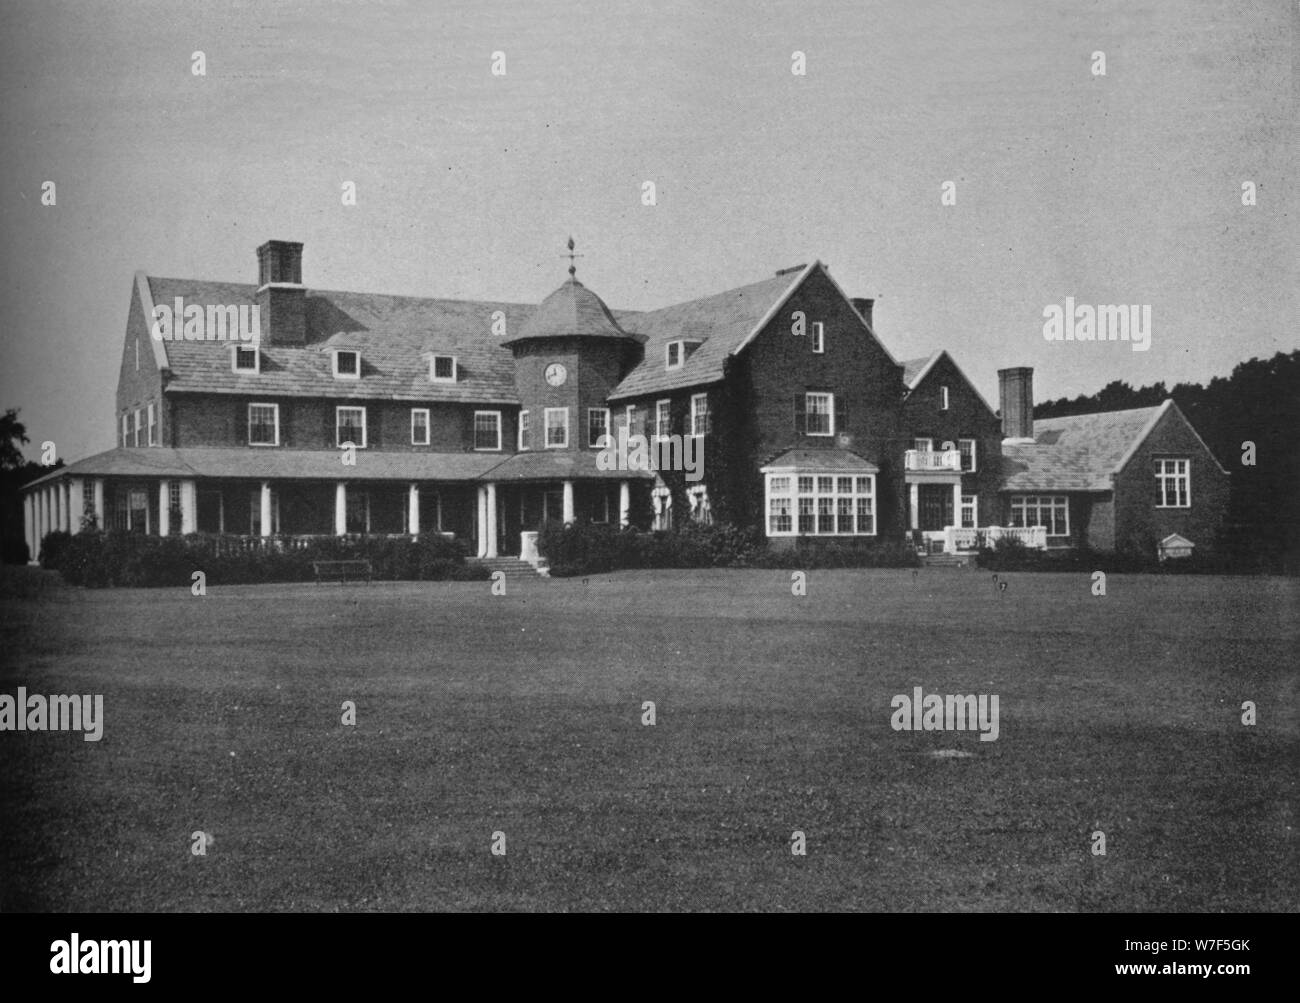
(863, 306)
(281, 295)
(1016, 400)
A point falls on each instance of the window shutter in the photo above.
(800, 414)
(841, 416)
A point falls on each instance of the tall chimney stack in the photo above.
(863, 306)
(281, 295)
(1016, 400)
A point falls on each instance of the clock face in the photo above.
(556, 374)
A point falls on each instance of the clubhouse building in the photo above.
(278, 411)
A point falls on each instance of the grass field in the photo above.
(523, 714)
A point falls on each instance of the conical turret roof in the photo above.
(573, 310)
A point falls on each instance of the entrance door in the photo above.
(935, 502)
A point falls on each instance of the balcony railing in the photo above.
(958, 538)
(925, 459)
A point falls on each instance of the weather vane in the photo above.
(573, 269)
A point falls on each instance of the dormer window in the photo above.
(245, 359)
(347, 364)
(676, 355)
(442, 368)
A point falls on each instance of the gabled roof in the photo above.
(723, 323)
(1080, 452)
(914, 370)
(393, 333)
(572, 310)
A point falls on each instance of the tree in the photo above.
(13, 436)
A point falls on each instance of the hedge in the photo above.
(98, 559)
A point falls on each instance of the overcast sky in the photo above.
(1122, 188)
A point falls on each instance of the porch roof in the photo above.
(557, 466)
(274, 463)
(819, 460)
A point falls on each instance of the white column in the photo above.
(164, 507)
(413, 511)
(491, 521)
(340, 509)
(266, 508)
(914, 508)
(189, 508)
(56, 506)
(99, 503)
(956, 504)
(568, 502)
(482, 522)
(37, 518)
(624, 502)
(76, 503)
(29, 525)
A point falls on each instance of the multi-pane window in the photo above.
(264, 424)
(246, 360)
(943, 398)
(557, 427)
(487, 430)
(442, 369)
(1173, 483)
(153, 426)
(820, 414)
(347, 364)
(629, 417)
(821, 505)
(597, 426)
(1052, 511)
(138, 425)
(174, 505)
(525, 431)
(350, 426)
(968, 508)
(88, 497)
(700, 424)
(673, 353)
(967, 447)
(662, 417)
(419, 426)
(818, 337)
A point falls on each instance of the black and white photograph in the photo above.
(578, 457)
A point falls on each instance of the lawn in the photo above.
(523, 714)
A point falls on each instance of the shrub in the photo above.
(53, 546)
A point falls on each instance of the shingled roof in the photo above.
(572, 310)
(914, 368)
(393, 333)
(1077, 453)
(720, 322)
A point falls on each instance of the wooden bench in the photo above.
(341, 570)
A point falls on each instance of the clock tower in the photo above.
(569, 356)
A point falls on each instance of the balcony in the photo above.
(923, 460)
(956, 538)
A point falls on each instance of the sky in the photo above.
(1122, 188)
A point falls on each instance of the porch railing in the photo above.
(227, 544)
(957, 538)
(924, 459)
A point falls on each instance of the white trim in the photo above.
(608, 431)
(1161, 477)
(151, 423)
(919, 377)
(474, 433)
(793, 494)
(974, 454)
(334, 355)
(249, 423)
(234, 359)
(658, 434)
(943, 397)
(364, 430)
(830, 413)
(135, 432)
(694, 427)
(546, 428)
(428, 426)
(1166, 406)
(776, 307)
(818, 337)
(433, 362)
(1052, 503)
(854, 310)
(681, 354)
(524, 419)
